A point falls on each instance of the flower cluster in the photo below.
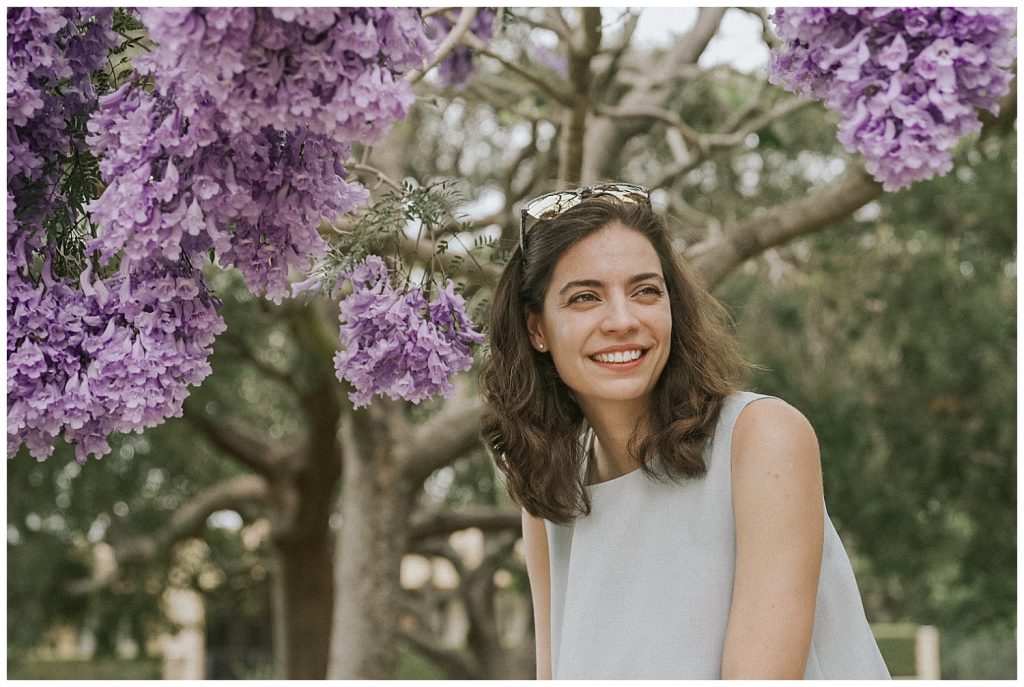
(398, 344)
(85, 356)
(230, 139)
(115, 355)
(455, 70)
(331, 71)
(241, 146)
(906, 81)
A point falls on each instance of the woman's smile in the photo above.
(620, 358)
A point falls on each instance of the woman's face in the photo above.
(606, 319)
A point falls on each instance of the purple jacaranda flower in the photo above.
(116, 355)
(241, 146)
(905, 81)
(396, 343)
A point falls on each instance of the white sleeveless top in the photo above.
(641, 587)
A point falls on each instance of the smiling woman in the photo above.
(597, 278)
(607, 322)
(673, 527)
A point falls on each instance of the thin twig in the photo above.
(438, 10)
(555, 13)
(543, 25)
(741, 113)
(736, 137)
(666, 116)
(480, 47)
(767, 33)
(367, 169)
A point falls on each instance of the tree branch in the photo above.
(452, 432)
(438, 10)
(650, 89)
(488, 519)
(584, 44)
(606, 74)
(741, 113)
(478, 592)
(735, 138)
(450, 42)
(706, 141)
(382, 178)
(555, 16)
(238, 442)
(689, 47)
(525, 153)
(667, 117)
(714, 258)
(767, 32)
(479, 46)
(189, 521)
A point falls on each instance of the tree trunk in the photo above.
(303, 602)
(304, 593)
(376, 506)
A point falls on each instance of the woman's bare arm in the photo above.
(535, 544)
(779, 514)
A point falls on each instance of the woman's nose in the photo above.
(619, 316)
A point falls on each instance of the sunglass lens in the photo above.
(545, 204)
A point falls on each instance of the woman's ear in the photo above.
(536, 331)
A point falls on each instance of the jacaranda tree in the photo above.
(147, 148)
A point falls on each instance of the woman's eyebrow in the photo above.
(592, 283)
(597, 283)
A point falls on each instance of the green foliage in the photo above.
(385, 228)
(473, 482)
(986, 655)
(412, 665)
(897, 642)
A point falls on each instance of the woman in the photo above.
(674, 527)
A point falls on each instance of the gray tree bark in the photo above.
(376, 504)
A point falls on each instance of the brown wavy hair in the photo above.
(531, 423)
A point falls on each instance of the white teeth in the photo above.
(618, 356)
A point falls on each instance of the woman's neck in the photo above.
(613, 427)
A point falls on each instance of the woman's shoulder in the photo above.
(771, 433)
(753, 406)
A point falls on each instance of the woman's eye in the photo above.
(650, 291)
(582, 298)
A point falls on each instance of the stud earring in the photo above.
(540, 346)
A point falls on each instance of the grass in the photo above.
(97, 669)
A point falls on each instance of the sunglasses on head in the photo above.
(551, 205)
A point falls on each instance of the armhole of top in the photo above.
(752, 398)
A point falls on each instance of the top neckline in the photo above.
(588, 454)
